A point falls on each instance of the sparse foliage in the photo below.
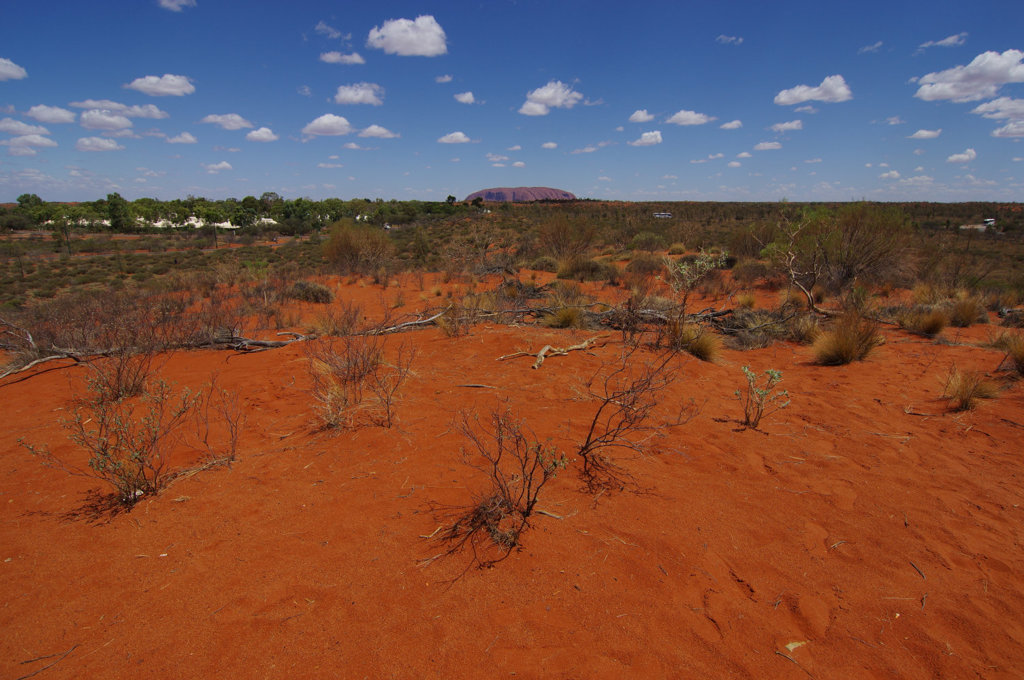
(760, 397)
(964, 389)
(851, 338)
(517, 466)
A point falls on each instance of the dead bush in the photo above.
(517, 466)
(626, 396)
(966, 310)
(923, 321)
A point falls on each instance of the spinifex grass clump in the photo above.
(851, 338)
(964, 389)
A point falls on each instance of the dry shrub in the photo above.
(964, 389)
(966, 310)
(679, 335)
(517, 466)
(340, 369)
(353, 249)
(580, 268)
(926, 294)
(564, 317)
(677, 248)
(129, 440)
(851, 338)
(748, 271)
(745, 300)
(1013, 345)
(626, 398)
(803, 328)
(344, 319)
(926, 322)
(310, 291)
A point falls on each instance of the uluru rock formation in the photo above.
(521, 195)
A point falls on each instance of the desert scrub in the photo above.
(966, 310)
(518, 466)
(926, 322)
(128, 441)
(851, 338)
(760, 397)
(691, 338)
(309, 291)
(564, 317)
(964, 389)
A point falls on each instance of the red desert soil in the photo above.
(865, 532)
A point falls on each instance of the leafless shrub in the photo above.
(626, 396)
(128, 441)
(387, 379)
(342, 319)
(517, 466)
(339, 368)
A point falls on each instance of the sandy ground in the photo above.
(866, 531)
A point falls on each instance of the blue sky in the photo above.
(409, 100)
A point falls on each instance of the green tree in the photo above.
(119, 213)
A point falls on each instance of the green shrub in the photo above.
(759, 401)
(309, 291)
(584, 269)
(545, 263)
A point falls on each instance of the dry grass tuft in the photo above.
(964, 389)
(851, 338)
(926, 322)
(693, 339)
(966, 310)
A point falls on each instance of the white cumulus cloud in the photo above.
(11, 71)
(228, 121)
(423, 37)
(183, 138)
(767, 146)
(892, 174)
(101, 119)
(979, 79)
(167, 85)
(518, 164)
(1014, 128)
(870, 48)
(51, 114)
(926, 134)
(685, 117)
(549, 145)
(465, 98)
(732, 125)
(378, 132)
(214, 168)
(832, 89)
(729, 40)
(263, 134)
(339, 58)
(554, 95)
(177, 5)
(735, 164)
(328, 125)
(446, 78)
(16, 127)
(97, 144)
(966, 157)
(456, 137)
(135, 111)
(641, 116)
(744, 154)
(789, 126)
(360, 93)
(648, 139)
(24, 145)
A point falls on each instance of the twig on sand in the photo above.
(479, 385)
(917, 569)
(51, 665)
(787, 656)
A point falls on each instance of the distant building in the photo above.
(990, 222)
(663, 216)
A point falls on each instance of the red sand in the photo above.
(865, 532)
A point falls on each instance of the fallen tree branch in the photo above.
(548, 350)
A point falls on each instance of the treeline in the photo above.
(269, 212)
